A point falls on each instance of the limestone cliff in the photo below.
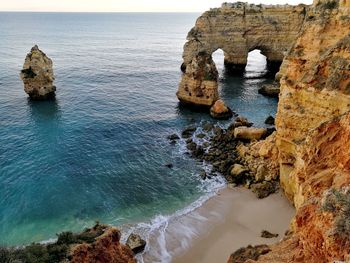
(37, 75)
(236, 29)
(315, 83)
(313, 136)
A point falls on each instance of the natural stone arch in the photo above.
(236, 29)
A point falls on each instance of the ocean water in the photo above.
(98, 152)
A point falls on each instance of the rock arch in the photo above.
(237, 29)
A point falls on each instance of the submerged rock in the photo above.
(173, 137)
(37, 75)
(188, 132)
(220, 111)
(136, 243)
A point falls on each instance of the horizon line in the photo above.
(29, 11)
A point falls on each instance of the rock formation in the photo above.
(312, 139)
(236, 29)
(315, 82)
(105, 248)
(37, 75)
(220, 111)
(99, 244)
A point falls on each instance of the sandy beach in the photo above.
(230, 220)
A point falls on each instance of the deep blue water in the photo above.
(98, 151)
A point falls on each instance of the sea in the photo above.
(98, 152)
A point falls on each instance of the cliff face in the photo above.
(237, 29)
(313, 137)
(315, 84)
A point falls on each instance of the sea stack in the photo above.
(37, 75)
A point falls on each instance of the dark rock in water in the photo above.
(240, 121)
(188, 132)
(267, 234)
(218, 131)
(220, 111)
(200, 136)
(250, 252)
(173, 137)
(169, 165)
(136, 243)
(208, 127)
(192, 146)
(198, 152)
(206, 144)
(203, 175)
(264, 189)
(270, 120)
(270, 90)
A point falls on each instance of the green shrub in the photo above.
(329, 5)
(338, 203)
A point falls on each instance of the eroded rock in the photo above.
(270, 90)
(220, 111)
(249, 133)
(37, 75)
(136, 243)
(250, 252)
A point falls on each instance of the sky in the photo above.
(124, 5)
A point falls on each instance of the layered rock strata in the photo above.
(315, 83)
(236, 29)
(312, 140)
(37, 75)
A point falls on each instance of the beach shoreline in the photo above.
(232, 219)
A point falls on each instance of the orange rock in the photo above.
(106, 249)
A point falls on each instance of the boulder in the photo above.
(37, 75)
(220, 111)
(267, 234)
(243, 255)
(188, 132)
(136, 243)
(238, 170)
(249, 133)
(264, 189)
(270, 120)
(270, 90)
(239, 122)
(173, 137)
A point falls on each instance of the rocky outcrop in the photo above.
(270, 90)
(136, 243)
(37, 75)
(313, 134)
(236, 29)
(99, 244)
(105, 248)
(220, 111)
(315, 83)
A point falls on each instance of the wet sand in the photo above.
(232, 219)
(235, 219)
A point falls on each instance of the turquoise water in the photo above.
(98, 151)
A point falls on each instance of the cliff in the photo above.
(315, 84)
(312, 139)
(99, 244)
(236, 29)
